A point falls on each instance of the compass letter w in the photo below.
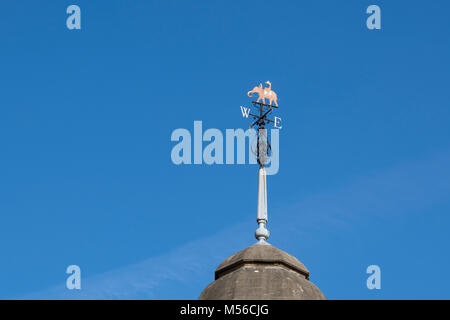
(245, 112)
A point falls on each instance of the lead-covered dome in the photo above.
(261, 272)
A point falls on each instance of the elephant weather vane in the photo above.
(260, 119)
(265, 93)
(263, 148)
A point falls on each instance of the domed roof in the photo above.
(261, 272)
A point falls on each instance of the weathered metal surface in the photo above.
(261, 272)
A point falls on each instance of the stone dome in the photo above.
(261, 272)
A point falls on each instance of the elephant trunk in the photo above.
(250, 93)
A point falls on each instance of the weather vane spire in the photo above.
(263, 148)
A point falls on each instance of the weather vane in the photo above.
(263, 148)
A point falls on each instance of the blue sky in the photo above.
(86, 116)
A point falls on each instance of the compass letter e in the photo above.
(277, 122)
